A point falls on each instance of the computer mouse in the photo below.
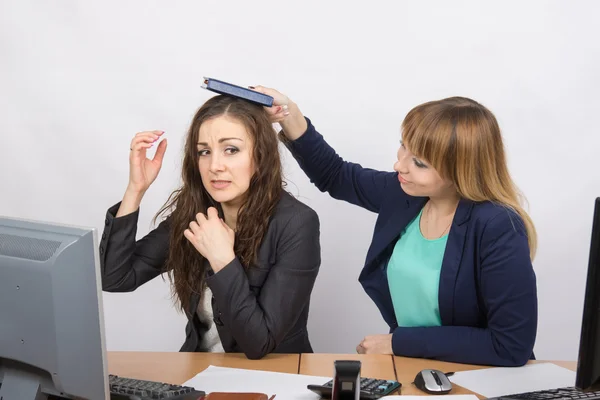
(433, 381)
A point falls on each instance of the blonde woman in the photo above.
(450, 264)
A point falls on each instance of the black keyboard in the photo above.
(370, 388)
(137, 389)
(551, 394)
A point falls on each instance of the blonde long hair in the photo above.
(461, 139)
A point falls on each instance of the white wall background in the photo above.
(79, 79)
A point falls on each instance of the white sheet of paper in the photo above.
(284, 386)
(432, 397)
(493, 382)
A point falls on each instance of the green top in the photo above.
(413, 274)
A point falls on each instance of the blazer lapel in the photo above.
(397, 221)
(374, 276)
(194, 300)
(451, 261)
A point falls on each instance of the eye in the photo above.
(419, 164)
(203, 152)
(231, 150)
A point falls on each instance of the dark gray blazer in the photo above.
(259, 310)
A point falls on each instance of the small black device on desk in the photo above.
(217, 86)
(137, 389)
(348, 384)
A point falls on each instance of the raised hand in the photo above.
(284, 111)
(142, 170)
(279, 110)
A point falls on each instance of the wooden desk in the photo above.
(179, 367)
(408, 368)
(372, 365)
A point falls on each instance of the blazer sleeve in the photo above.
(259, 324)
(509, 295)
(343, 180)
(125, 263)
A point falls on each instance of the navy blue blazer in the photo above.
(487, 289)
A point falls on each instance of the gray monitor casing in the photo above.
(51, 317)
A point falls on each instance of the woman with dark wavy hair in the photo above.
(241, 253)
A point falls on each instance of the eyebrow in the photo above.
(220, 141)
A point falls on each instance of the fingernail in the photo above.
(286, 113)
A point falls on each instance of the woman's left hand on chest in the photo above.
(212, 238)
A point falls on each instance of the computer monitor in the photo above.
(51, 320)
(588, 364)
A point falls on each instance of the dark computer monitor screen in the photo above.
(51, 324)
(588, 366)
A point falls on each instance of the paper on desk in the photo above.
(284, 386)
(494, 382)
(434, 397)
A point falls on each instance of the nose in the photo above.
(401, 166)
(216, 163)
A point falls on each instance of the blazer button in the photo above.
(101, 250)
(103, 236)
(106, 221)
(217, 319)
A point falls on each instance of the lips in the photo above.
(401, 179)
(220, 184)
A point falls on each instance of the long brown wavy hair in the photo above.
(461, 139)
(184, 264)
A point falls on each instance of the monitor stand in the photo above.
(20, 385)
